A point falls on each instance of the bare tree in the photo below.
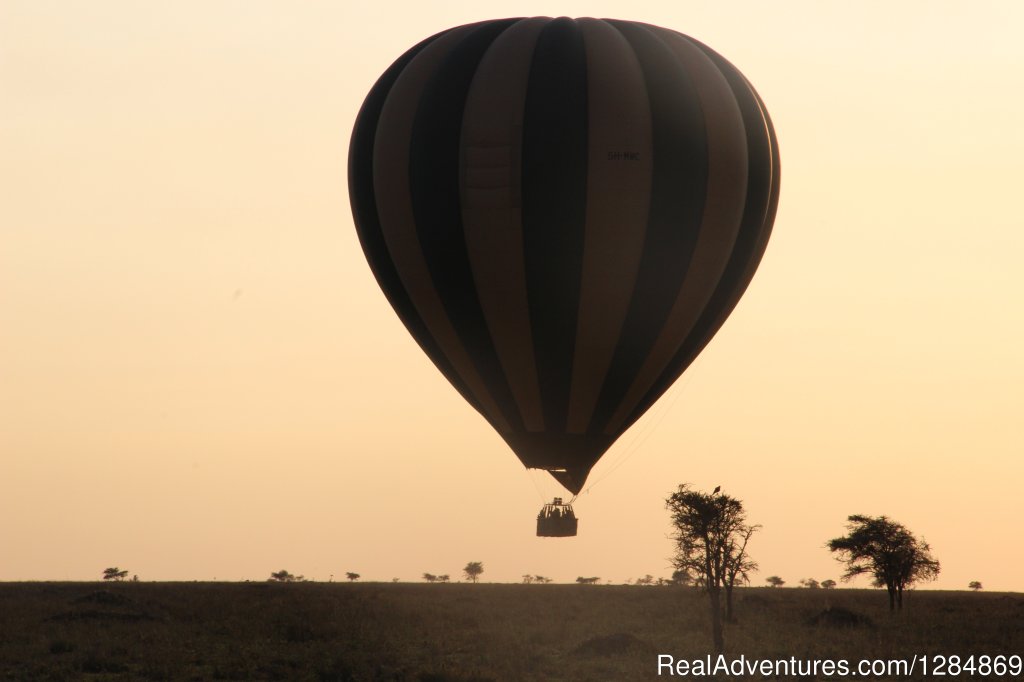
(739, 567)
(473, 570)
(888, 552)
(711, 535)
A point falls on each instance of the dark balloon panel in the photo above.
(563, 212)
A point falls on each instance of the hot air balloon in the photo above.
(563, 212)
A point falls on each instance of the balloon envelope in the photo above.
(563, 212)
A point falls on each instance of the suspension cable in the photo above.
(645, 431)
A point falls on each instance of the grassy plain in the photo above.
(462, 632)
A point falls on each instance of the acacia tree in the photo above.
(681, 576)
(775, 581)
(473, 570)
(352, 577)
(828, 584)
(115, 574)
(974, 585)
(711, 535)
(888, 552)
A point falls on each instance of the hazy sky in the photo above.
(199, 377)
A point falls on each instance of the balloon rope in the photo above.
(657, 416)
(636, 437)
(536, 486)
(642, 435)
(628, 445)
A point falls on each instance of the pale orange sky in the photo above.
(200, 379)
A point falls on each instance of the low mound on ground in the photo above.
(610, 645)
(838, 617)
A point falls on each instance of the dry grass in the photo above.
(459, 633)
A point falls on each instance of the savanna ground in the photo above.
(462, 632)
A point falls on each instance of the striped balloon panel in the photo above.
(563, 213)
